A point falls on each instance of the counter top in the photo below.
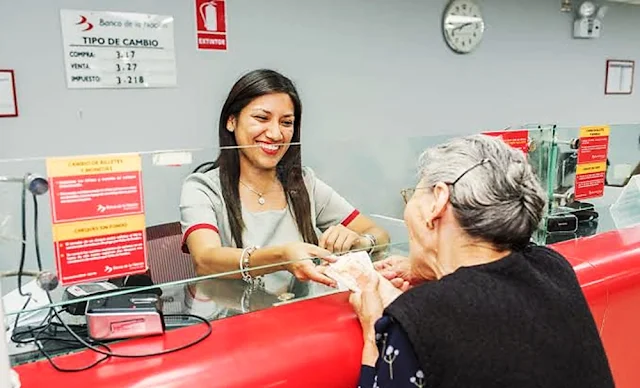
(293, 344)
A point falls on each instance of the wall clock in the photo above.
(463, 25)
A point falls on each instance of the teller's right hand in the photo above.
(300, 255)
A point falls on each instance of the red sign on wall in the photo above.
(516, 139)
(98, 217)
(211, 24)
(591, 170)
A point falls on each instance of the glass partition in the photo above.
(592, 170)
(369, 174)
(162, 181)
(171, 274)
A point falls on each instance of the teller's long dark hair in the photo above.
(289, 170)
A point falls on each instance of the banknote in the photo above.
(348, 267)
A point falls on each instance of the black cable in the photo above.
(61, 369)
(23, 253)
(192, 343)
(24, 247)
(52, 335)
(27, 336)
(42, 328)
(24, 306)
(40, 337)
(36, 234)
(42, 325)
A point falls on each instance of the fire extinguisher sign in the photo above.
(211, 25)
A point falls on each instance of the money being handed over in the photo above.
(348, 267)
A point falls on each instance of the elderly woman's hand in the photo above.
(367, 303)
(397, 269)
(365, 278)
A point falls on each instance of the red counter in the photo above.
(317, 343)
(608, 267)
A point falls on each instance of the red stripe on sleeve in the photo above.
(350, 217)
(192, 229)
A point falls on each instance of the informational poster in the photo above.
(592, 162)
(518, 139)
(211, 25)
(8, 99)
(118, 50)
(97, 210)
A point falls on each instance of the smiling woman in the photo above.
(257, 205)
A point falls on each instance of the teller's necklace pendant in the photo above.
(261, 200)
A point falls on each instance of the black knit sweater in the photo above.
(521, 322)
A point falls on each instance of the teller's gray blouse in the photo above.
(202, 206)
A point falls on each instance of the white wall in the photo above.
(364, 67)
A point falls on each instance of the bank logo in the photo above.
(85, 23)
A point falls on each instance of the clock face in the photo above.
(587, 9)
(463, 26)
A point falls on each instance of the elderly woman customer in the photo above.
(475, 304)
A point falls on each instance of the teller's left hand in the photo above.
(339, 238)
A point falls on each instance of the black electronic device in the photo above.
(577, 219)
(83, 291)
(562, 223)
(92, 289)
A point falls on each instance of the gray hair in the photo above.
(500, 200)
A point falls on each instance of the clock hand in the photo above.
(462, 26)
